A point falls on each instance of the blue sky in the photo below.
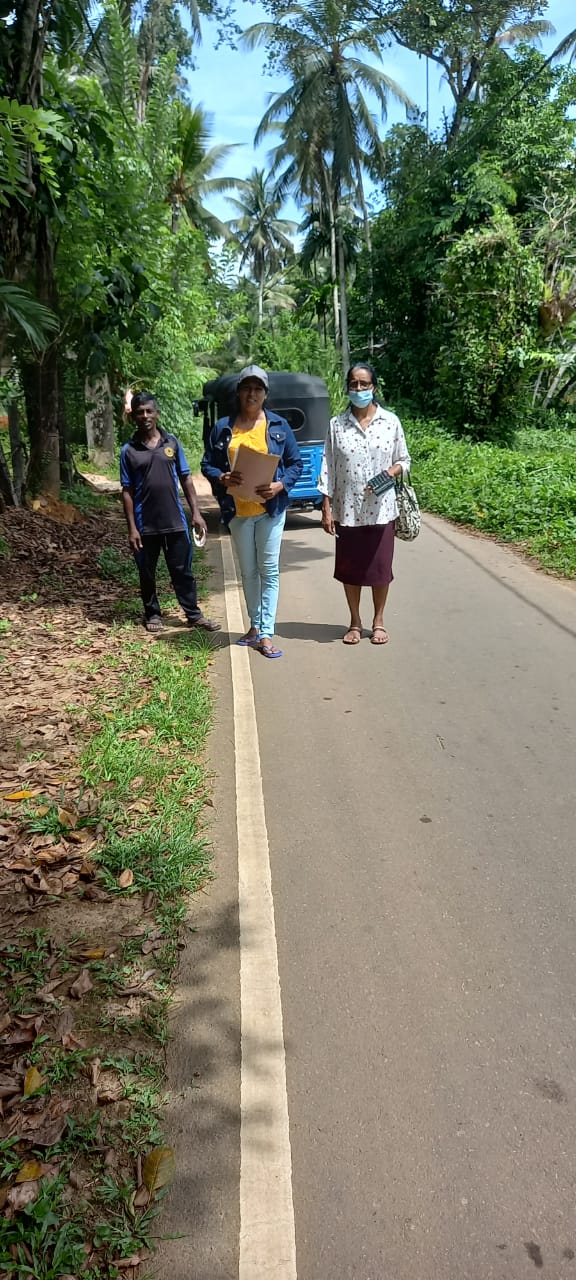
(232, 87)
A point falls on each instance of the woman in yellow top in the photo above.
(256, 527)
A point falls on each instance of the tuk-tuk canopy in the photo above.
(301, 398)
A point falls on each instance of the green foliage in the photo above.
(466, 254)
(25, 129)
(42, 1241)
(464, 39)
(525, 495)
(292, 346)
(490, 288)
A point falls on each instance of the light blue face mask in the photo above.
(361, 399)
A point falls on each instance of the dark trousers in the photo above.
(177, 548)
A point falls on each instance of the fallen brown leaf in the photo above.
(159, 1168)
(30, 1171)
(90, 953)
(94, 894)
(81, 986)
(64, 1024)
(36, 883)
(71, 1041)
(51, 986)
(32, 1082)
(126, 878)
(22, 1035)
(19, 1197)
(151, 945)
(46, 1128)
(67, 819)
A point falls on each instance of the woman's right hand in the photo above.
(230, 479)
(327, 519)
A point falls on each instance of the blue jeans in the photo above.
(257, 542)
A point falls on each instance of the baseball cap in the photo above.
(253, 371)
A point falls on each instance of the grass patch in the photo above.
(525, 495)
(88, 1002)
(85, 499)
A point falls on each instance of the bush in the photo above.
(525, 495)
(490, 289)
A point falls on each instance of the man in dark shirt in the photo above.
(152, 464)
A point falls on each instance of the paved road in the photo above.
(420, 806)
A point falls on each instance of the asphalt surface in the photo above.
(420, 805)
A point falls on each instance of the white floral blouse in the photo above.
(352, 456)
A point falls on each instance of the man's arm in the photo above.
(133, 534)
(192, 500)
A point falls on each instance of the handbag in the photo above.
(408, 520)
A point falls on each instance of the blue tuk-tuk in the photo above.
(303, 400)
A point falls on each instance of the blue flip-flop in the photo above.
(270, 653)
(248, 644)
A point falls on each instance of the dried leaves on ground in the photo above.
(79, 1074)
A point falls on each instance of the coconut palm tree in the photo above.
(325, 115)
(566, 46)
(263, 236)
(193, 178)
(318, 46)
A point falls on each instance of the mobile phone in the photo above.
(381, 483)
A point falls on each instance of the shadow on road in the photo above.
(317, 632)
(298, 555)
(200, 1222)
(497, 577)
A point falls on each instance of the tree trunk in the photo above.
(17, 452)
(345, 346)
(99, 421)
(260, 301)
(7, 495)
(334, 270)
(368, 242)
(41, 381)
(68, 471)
(41, 392)
(143, 90)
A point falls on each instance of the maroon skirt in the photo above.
(364, 554)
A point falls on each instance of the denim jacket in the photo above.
(281, 440)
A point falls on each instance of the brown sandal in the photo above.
(204, 624)
(384, 633)
(357, 631)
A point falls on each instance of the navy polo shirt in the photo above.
(152, 475)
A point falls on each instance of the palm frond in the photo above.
(567, 45)
(20, 312)
(528, 31)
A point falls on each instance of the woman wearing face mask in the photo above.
(256, 527)
(361, 443)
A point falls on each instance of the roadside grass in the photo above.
(85, 995)
(85, 499)
(525, 495)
